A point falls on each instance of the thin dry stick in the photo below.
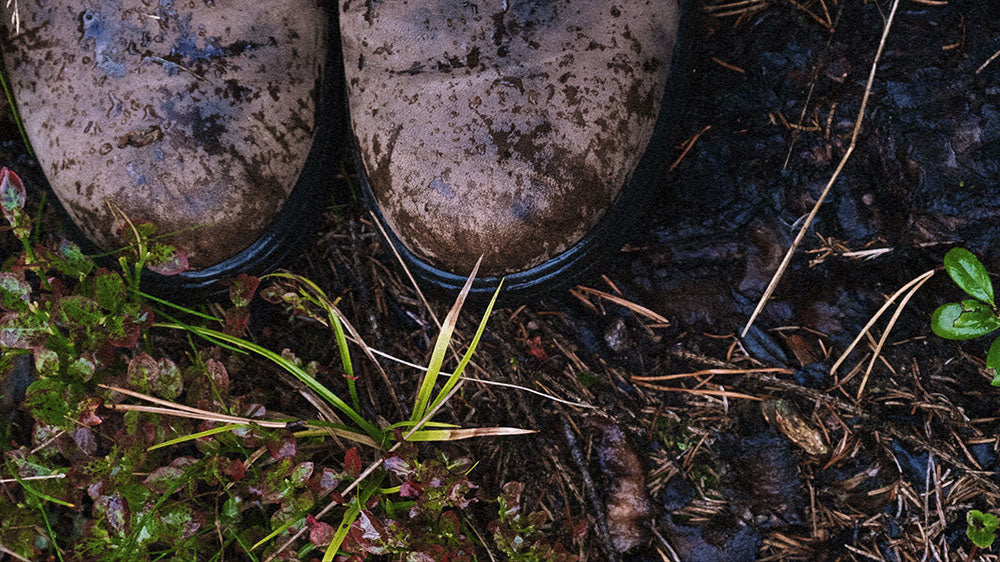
(878, 315)
(636, 308)
(724, 393)
(987, 63)
(207, 416)
(843, 161)
(42, 477)
(12, 554)
(531, 390)
(703, 372)
(182, 411)
(399, 258)
(888, 328)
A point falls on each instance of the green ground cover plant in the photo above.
(970, 318)
(130, 450)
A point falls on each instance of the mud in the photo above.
(923, 178)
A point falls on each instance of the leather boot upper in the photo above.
(196, 116)
(502, 127)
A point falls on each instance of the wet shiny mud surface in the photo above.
(759, 453)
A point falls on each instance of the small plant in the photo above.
(970, 318)
(982, 528)
(203, 473)
(523, 537)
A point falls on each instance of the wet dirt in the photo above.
(775, 93)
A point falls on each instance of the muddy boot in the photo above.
(208, 119)
(530, 133)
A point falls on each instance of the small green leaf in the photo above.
(142, 373)
(964, 321)
(166, 260)
(82, 368)
(69, 260)
(993, 361)
(15, 292)
(969, 274)
(109, 289)
(982, 527)
(46, 362)
(23, 331)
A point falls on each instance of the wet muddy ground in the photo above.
(780, 460)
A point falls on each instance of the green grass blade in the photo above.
(185, 326)
(319, 298)
(350, 516)
(353, 511)
(179, 307)
(17, 115)
(52, 536)
(466, 433)
(199, 435)
(457, 374)
(440, 349)
(345, 357)
(307, 379)
(28, 488)
(281, 529)
(407, 424)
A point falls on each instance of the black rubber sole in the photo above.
(297, 220)
(608, 236)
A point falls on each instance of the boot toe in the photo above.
(196, 117)
(507, 134)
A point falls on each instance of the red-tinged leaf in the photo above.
(398, 466)
(85, 440)
(325, 482)
(352, 462)
(320, 534)
(449, 522)
(219, 376)
(301, 473)
(13, 195)
(161, 479)
(283, 448)
(273, 294)
(124, 329)
(142, 372)
(337, 498)
(88, 416)
(22, 331)
(169, 383)
(242, 289)
(167, 260)
(15, 292)
(410, 489)
(235, 470)
(69, 260)
(371, 528)
(536, 350)
(236, 320)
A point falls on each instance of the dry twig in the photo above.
(843, 161)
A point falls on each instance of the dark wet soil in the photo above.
(775, 94)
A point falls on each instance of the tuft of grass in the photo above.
(194, 471)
